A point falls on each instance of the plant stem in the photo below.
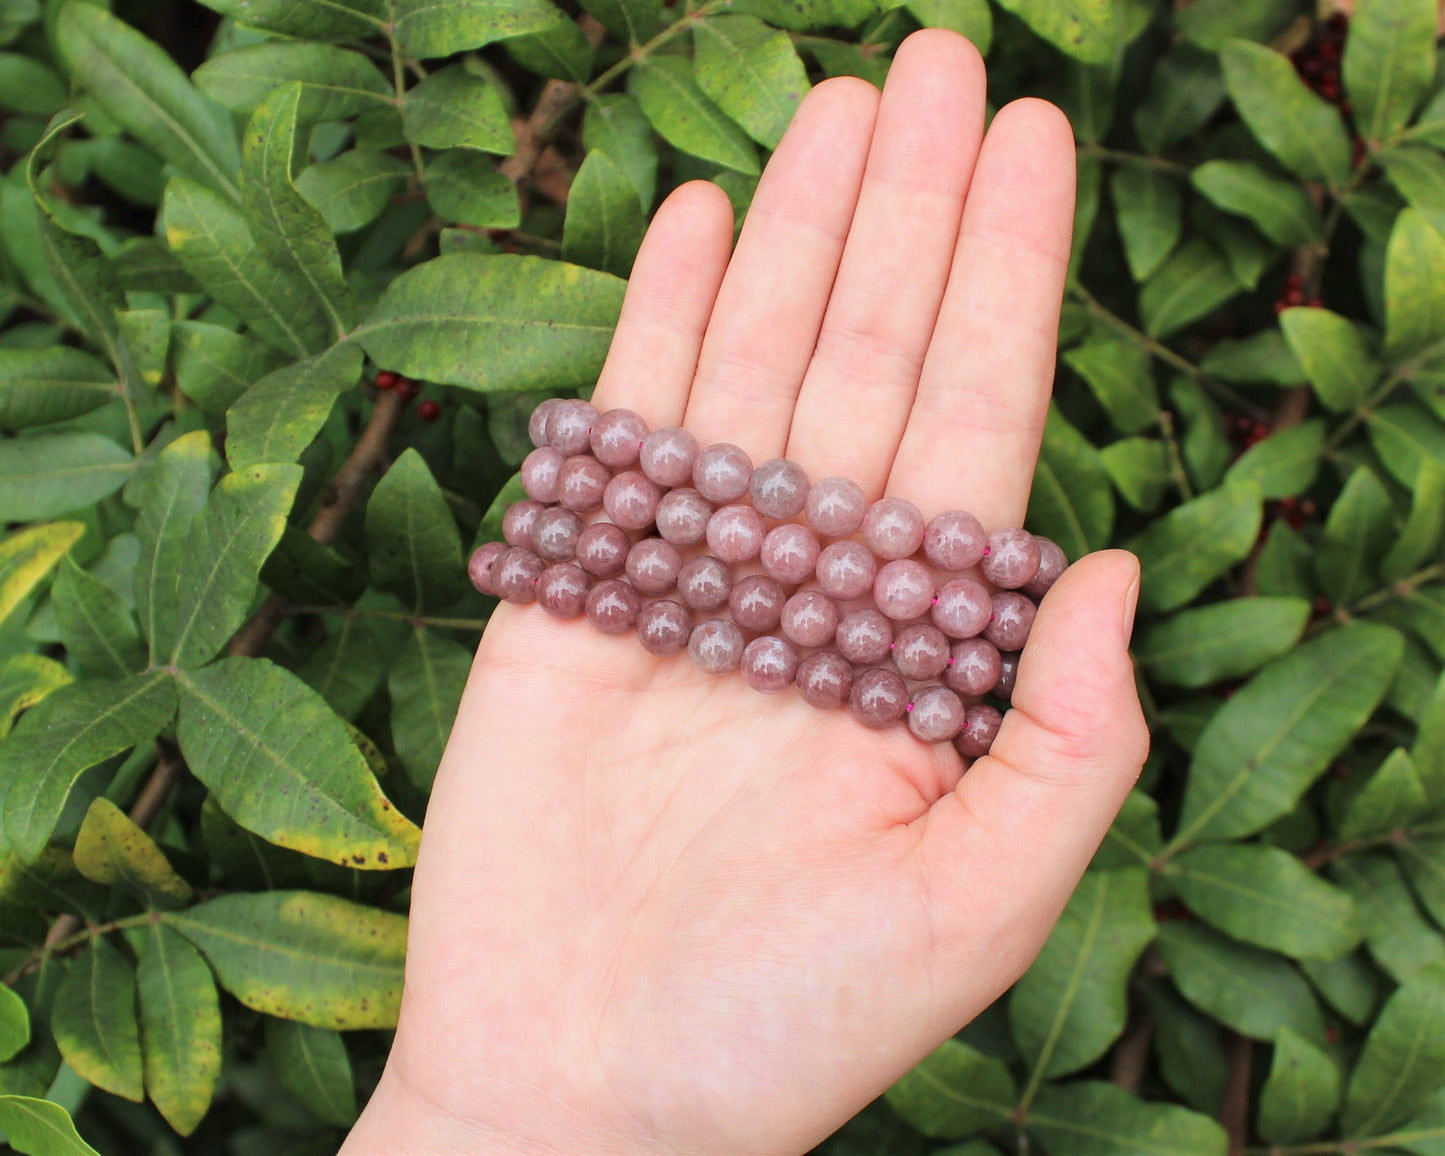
(1404, 588)
(390, 616)
(398, 79)
(643, 51)
(1139, 160)
(1165, 421)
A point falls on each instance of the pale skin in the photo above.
(657, 912)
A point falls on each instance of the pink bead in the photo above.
(537, 422)
(539, 474)
(1008, 675)
(664, 627)
(1052, 563)
(976, 667)
(555, 534)
(581, 482)
(779, 489)
(846, 570)
(569, 427)
(602, 550)
(893, 528)
(617, 437)
(935, 715)
(613, 606)
(1013, 618)
(653, 565)
(769, 664)
(479, 566)
(864, 637)
(1012, 558)
(879, 698)
(836, 507)
(903, 589)
(789, 553)
(515, 573)
(735, 533)
(921, 652)
(756, 603)
(824, 680)
(954, 540)
(980, 727)
(810, 618)
(667, 456)
(682, 517)
(517, 522)
(704, 583)
(562, 590)
(720, 473)
(963, 608)
(716, 646)
(631, 500)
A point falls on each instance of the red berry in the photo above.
(1295, 281)
(1357, 152)
(1316, 302)
(1322, 606)
(385, 380)
(407, 388)
(1330, 51)
(1330, 87)
(1307, 507)
(428, 411)
(1331, 1035)
(1287, 503)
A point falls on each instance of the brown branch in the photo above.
(1132, 1054)
(557, 96)
(1234, 1115)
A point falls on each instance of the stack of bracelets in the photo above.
(696, 549)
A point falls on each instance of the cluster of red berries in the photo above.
(1295, 511)
(408, 390)
(1318, 64)
(1294, 294)
(1244, 431)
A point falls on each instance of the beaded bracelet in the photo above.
(862, 620)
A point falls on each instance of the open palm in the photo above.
(657, 911)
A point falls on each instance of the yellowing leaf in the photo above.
(27, 557)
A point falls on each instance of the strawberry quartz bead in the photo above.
(790, 553)
(1012, 559)
(716, 646)
(515, 574)
(569, 428)
(602, 550)
(682, 517)
(735, 533)
(893, 528)
(954, 540)
(963, 608)
(653, 565)
(756, 603)
(920, 652)
(903, 590)
(980, 727)
(936, 715)
(555, 534)
(613, 606)
(631, 500)
(846, 570)
(836, 507)
(539, 474)
(479, 566)
(824, 680)
(864, 637)
(704, 583)
(664, 627)
(1052, 563)
(581, 482)
(879, 698)
(517, 522)
(1013, 618)
(1007, 675)
(562, 590)
(617, 438)
(976, 667)
(810, 618)
(537, 422)
(667, 455)
(779, 489)
(720, 473)
(769, 664)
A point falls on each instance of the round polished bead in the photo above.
(581, 482)
(562, 590)
(769, 663)
(682, 516)
(824, 679)
(864, 637)
(735, 533)
(720, 472)
(790, 553)
(756, 603)
(1011, 558)
(653, 565)
(921, 651)
(479, 565)
(613, 606)
(537, 423)
(1008, 672)
(631, 500)
(539, 473)
(602, 550)
(704, 583)
(517, 522)
(779, 489)
(903, 589)
(664, 627)
(836, 507)
(810, 618)
(980, 727)
(555, 534)
(667, 456)
(975, 668)
(963, 608)
(893, 528)
(879, 698)
(1052, 563)
(954, 540)
(935, 715)
(846, 570)
(515, 573)
(569, 427)
(716, 646)
(617, 438)
(1013, 618)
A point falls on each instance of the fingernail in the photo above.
(1131, 601)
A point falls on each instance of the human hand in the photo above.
(658, 912)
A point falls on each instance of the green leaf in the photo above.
(614, 124)
(53, 473)
(1392, 797)
(1420, 536)
(492, 323)
(279, 416)
(1072, 1002)
(1139, 469)
(1134, 836)
(14, 1024)
(303, 956)
(180, 1022)
(464, 186)
(1254, 992)
(139, 86)
(1211, 24)
(1149, 209)
(1209, 644)
(1302, 1092)
(1185, 91)
(1097, 1119)
(77, 727)
(1265, 896)
(214, 366)
(96, 627)
(1399, 937)
(302, 569)
(25, 679)
(313, 1065)
(1414, 287)
(634, 21)
(1357, 532)
(455, 108)
(1429, 749)
(751, 72)
(972, 19)
(1193, 282)
(40, 1128)
(335, 84)
(954, 1092)
(1070, 501)
(1404, 437)
(282, 764)
(413, 544)
(1389, 62)
(28, 86)
(1190, 1046)
(113, 850)
(425, 687)
(428, 29)
(1419, 175)
(1281, 208)
(686, 118)
(1120, 375)
(1083, 29)
(309, 19)
(1204, 447)
(1284, 463)
(1272, 739)
(354, 189)
(1351, 984)
(1262, 357)
(94, 1021)
(28, 556)
(347, 668)
(41, 386)
(214, 244)
(605, 223)
(1403, 1062)
(1333, 355)
(232, 535)
(1192, 545)
(560, 52)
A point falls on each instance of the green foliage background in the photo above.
(225, 685)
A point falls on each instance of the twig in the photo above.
(1234, 1115)
(1131, 1054)
(557, 97)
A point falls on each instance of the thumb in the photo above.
(1007, 846)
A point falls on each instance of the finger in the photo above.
(1006, 847)
(859, 387)
(670, 296)
(771, 303)
(973, 435)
